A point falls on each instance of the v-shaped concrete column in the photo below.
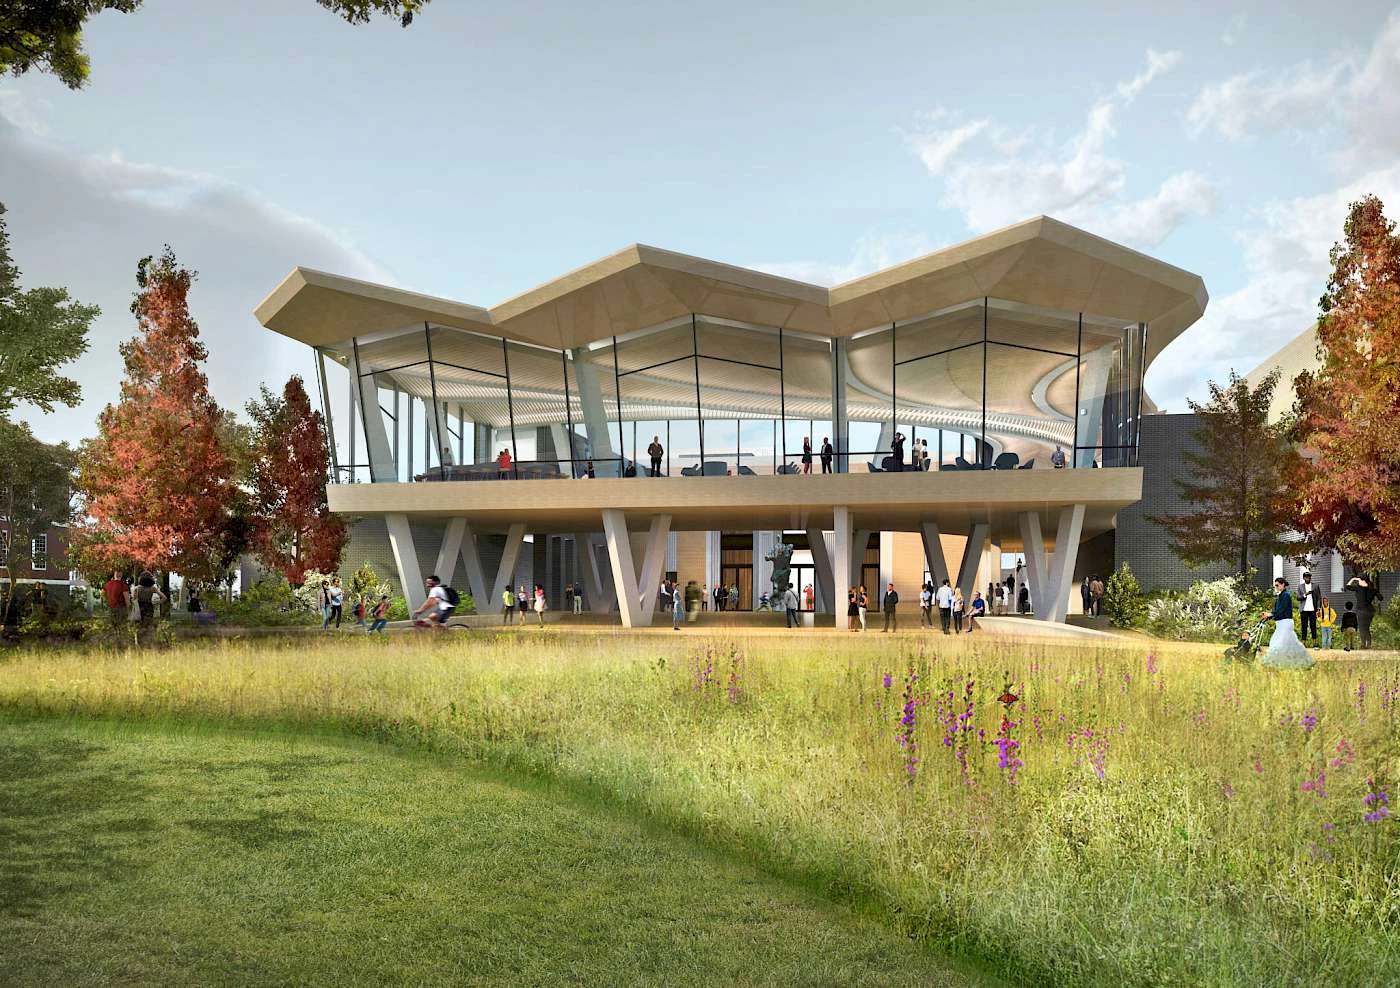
(821, 564)
(1049, 574)
(972, 558)
(459, 539)
(933, 553)
(600, 593)
(636, 612)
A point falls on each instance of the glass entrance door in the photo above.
(742, 575)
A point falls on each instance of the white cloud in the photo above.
(994, 176)
(83, 222)
(872, 252)
(1234, 30)
(1356, 92)
(1157, 63)
(1286, 260)
(23, 111)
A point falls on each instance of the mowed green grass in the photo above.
(147, 854)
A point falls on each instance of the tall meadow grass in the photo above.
(1112, 815)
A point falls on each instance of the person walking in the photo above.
(656, 451)
(852, 610)
(945, 606)
(889, 604)
(379, 616)
(806, 454)
(507, 604)
(540, 603)
(1309, 599)
(337, 596)
(790, 606)
(1285, 650)
(677, 610)
(578, 599)
(826, 454)
(862, 604)
(1326, 622)
(522, 603)
(926, 606)
(977, 610)
(117, 596)
(959, 606)
(147, 596)
(325, 604)
(1096, 589)
(1363, 585)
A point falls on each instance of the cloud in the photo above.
(23, 112)
(994, 176)
(872, 252)
(1286, 259)
(1356, 93)
(1234, 30)
(83, 222)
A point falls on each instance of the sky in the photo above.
(489, 148)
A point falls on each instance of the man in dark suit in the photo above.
(826, 454)
(1309, 600)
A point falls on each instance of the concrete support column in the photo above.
(451, 548)
(364, 395)
(842, 550)
(972, 557)
(826, 589)
(600, 594)
(933, 553)
(481, 443)
(405, 558)
(653, 561)
(713, 557)
(481, 582)
(636, 611)
(1050, 575)
(595, 417)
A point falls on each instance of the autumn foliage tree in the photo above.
(293, 528)
(1236, 486)
(1348, 411)
(156, 482)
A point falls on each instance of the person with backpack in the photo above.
(507, 605)
(441, 602)
(379, 615)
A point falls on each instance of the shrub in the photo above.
(1123, 599)
(1210, 610)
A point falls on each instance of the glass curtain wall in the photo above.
(987, 384)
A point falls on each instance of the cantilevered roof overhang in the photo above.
(1040, 262)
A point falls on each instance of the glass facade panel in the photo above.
(731, 393)
(1110, 394)
(1029, 326)
(737, 341)
(941, 331)
(870, 405)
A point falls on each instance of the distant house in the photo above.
(48, 562)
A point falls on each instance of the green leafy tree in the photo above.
(40, 330)
(47, 35)
(1123, 599)
(35, 490)
(1236, 488)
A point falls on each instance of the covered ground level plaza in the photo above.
(987, 395)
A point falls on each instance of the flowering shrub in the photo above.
(1211, 610)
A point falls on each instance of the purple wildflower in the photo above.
(1377, 804)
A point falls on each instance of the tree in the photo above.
(35, 490)
(1236, 481)
(156, 482)
(293, 528)
(40, 330)
(47, 35)
(1123, 599)
(1348, 411)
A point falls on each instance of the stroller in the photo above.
(1251, 641)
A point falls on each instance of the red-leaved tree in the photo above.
(156, 482)
(1348, 486)
(293, 528)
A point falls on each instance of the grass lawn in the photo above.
(1118, 813)
(141, 854)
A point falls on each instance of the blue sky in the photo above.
(487, 149)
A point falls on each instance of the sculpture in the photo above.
(781, 558)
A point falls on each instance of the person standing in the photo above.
(734, 597)
(1025, 599)
(1309, 599)
(852, 610)
(862, 604)
(117, 596)
(325, 604)
(578, 599)
(719, 596)
(540, 603)
(806, 454)
(677, 610)
(704, 597)
(656, 452)
(809, 595)
(1348, 628)
(790, 606)
(945, 606)
(1096, 589)
(916, 458)
(959, 606)
(503, 463)
(146, 598)
(1057, 458)
(926, 606)
(889, 604)
(897, 452)
(569, 597)
(1326, 622)
(507, 605)
(522, 603)
(1363, 585)
(337, 601)
(1285, 650)
(826, 454)
(1086, 595)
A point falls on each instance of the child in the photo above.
(1349, 627)
(1326, 621)
(380, 615)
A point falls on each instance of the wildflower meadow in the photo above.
(1127, 814)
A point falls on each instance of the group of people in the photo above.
(719, 597)
(954, 611)
(1317, 620)
(137, 601)
(1091, 593)
(520, 602)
